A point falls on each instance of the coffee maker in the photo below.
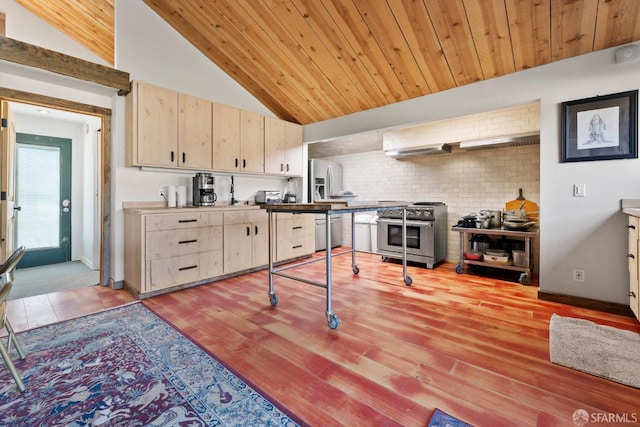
(203, 190)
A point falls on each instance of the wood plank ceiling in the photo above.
(311, 60)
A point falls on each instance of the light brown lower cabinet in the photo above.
(246, 240)
(634, 244)
(295, 235)
(168, 249)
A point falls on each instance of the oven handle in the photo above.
(399, 222)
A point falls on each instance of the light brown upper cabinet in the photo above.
(238, 140)
(251, 142)
(194, 132)
(282, 147)
(167, 129)
(151, 126)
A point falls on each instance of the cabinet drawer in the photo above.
(171, 243)
(175, 221)
(634, 223)
(185, 269)
(170, 272)
(244, 217)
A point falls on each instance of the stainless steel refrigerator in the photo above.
(325, 180)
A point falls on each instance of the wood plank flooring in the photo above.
(474, 347)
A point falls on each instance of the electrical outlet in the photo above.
(579, 190)
(578, 275)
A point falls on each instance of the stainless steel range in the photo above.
(426, 233)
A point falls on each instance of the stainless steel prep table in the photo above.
(328, 209)
(526, 235)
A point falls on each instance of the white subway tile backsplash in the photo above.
(467, 181)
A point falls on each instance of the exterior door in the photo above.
(43, 193)
(7, 182)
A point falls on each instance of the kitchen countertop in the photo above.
(632, 211)
(142, 208)
(330, 207)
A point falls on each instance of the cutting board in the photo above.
(531, 208)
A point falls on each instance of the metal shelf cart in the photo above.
(526, 235)
(327, 209)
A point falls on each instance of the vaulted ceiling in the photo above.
(313, 60)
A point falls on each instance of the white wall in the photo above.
(587, 233)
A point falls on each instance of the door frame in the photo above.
(105, 115)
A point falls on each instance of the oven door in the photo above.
(420, 238)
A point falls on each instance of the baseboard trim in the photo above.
(606, 307)
(116, 284)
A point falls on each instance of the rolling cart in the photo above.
(327, 209)
(526, 235)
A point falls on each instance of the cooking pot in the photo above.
(496, 219)
(481, 242)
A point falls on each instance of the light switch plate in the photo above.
(579, 190)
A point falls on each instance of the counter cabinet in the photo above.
(170, 249)
(526, 235)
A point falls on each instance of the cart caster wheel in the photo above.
(333, 321)
(385, 259)
(525, 279)
(407, 280)
(273, 298)
(356, 270)
(459, 268)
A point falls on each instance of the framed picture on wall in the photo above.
(600, 128)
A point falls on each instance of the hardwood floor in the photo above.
(474, 347)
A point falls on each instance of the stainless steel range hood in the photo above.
(515, 140)
(425, 150)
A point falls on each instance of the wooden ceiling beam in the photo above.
(34, 56)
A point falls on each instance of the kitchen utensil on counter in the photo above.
(531, 208)
(170, 192)
(290, 195)
(266, 196)
(203, 189)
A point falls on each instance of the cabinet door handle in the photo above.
(184, 157)
(236, 162)
(244, 163)
(172, 156)
(256, 230)
(633, 227)
(187, 241)
(287, 167)
(632, 256)
(187, 268)
(281, 167)
(181, 221)
(248, 231)
(632, 294)
(297, 228)
(297, 246)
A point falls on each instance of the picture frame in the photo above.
(600, 128)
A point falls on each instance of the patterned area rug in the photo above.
(126, 366)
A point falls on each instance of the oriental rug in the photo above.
(127, 367)
(599, 350)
